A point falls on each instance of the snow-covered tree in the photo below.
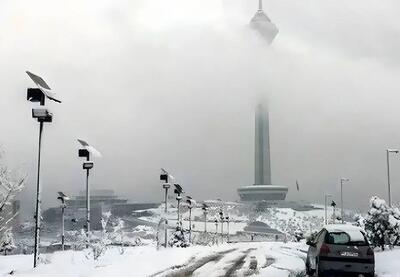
(117, 234)
(7, 242)
(179, 238)
(10, 185)
(382, 224)
(99, 245)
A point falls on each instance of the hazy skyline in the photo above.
(174, 84)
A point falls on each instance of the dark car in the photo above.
(339, 249)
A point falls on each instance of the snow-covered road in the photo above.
(272, 259)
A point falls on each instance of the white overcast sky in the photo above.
(174, 83)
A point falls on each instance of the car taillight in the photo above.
(324, 249)
(370, 252)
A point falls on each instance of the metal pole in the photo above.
(166, 212)
(222, 230)
(37, 215)
(179, 224)
(205, 221)
(62, 225)
(260, 7)
(341, 199)
(388, 178)
(190, 225)
(87, 201)
(326, 211)
(166, 233)
(166, 199)
(228, 229)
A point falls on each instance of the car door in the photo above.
(313, 250)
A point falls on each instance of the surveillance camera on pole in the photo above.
(85, 152)
(42, 115)
(205, 211)
(191, 204)
(62, 197)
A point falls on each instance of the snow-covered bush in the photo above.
(7, 242)
(144, 232)
(382, 224)
(359, 220)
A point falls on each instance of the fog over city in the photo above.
(174, 84)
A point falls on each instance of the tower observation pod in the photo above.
(263, 24)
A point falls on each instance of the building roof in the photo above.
(260, 228)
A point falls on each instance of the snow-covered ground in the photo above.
(272, 259)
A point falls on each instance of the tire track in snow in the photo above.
(238, 263)
(193, 265)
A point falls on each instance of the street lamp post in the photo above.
(333, 205)
(326, 207)
(42, 115)
(62, 197)
(85, 152)
(388, 172)
(191, 203)
(227, 221)
(164, 176)
(205, 208)
(221, 217)
(341, 197)
(178, 191)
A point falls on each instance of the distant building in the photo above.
(258, 227)
(104, 200)
(263, 189)
(105, 197)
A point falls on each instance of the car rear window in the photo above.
(353, 237)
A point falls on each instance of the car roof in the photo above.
(342, 228)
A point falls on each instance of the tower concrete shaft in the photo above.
(262, 147)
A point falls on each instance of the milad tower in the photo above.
(263, 189)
